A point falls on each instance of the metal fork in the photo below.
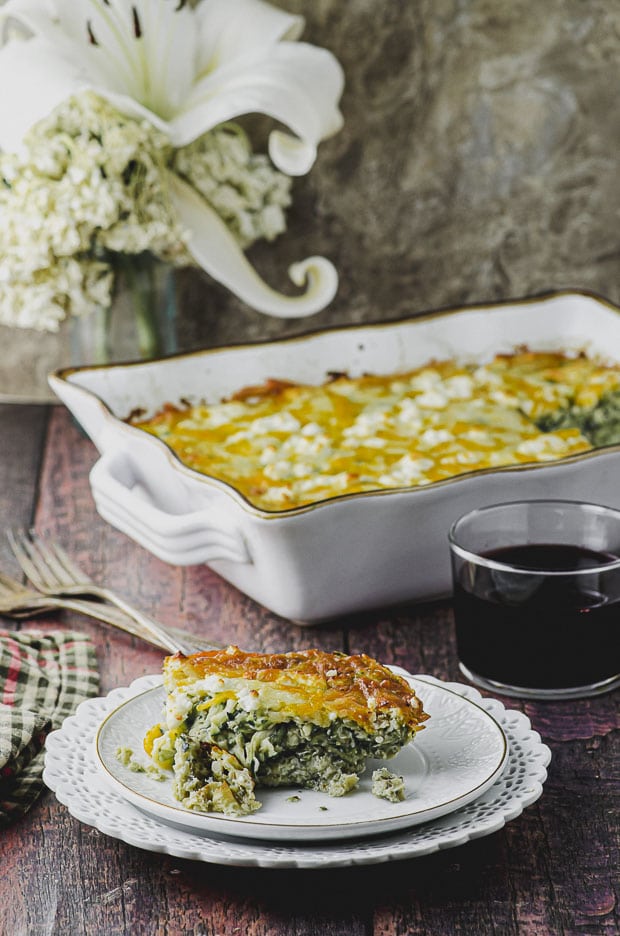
(19, 602)
(54, 573)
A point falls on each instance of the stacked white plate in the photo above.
(475, 766)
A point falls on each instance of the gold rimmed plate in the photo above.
(461, 752)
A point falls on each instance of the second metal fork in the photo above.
(19, 602)
(49, 568)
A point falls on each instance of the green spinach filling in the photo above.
(599, 424)
(227, 750)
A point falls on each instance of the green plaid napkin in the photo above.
(43, 678)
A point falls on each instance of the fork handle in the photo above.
(163, 636)
(120, 620)
(92, 609)
(112, 616)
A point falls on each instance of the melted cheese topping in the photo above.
(309, 685)
(285, 445)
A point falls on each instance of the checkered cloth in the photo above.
(43, 678)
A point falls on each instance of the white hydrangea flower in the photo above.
(184, 70)
(88, 181)
(92, 182)
(68, 287)
(245, 190)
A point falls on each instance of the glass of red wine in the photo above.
(537, 598)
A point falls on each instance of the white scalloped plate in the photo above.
(73, 773)
(459, 754)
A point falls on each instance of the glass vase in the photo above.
(141, 321)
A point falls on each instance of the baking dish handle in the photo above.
(124, 497)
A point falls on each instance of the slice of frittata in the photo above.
(235, 721)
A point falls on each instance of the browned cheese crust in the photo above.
(355, 687)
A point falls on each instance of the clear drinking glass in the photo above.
(537, 598)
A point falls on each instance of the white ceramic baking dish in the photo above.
(352, 552)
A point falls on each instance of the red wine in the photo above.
(540, 631)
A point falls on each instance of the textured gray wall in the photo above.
(478, 161)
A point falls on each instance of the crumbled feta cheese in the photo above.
(549, 443)
(433, 437)
(407, 470)
(432, 399)
(460, 387)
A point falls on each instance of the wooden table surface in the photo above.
(553, 871)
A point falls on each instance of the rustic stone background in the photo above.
(478, 161)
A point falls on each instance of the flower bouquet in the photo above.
(121, 143)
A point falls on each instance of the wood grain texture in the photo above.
(551, 872)
(23, 437)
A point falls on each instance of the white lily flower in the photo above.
(186, 70)
(214, 248)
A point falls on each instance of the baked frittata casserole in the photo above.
(235, 721)
(284, 445)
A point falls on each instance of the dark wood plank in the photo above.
(23, 436)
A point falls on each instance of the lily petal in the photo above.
(295, 83)
(229, 30)
(217, 252)
(184, 70)
(144, 50)
(39, 82)
(154, 41)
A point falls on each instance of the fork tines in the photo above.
(46, 564)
